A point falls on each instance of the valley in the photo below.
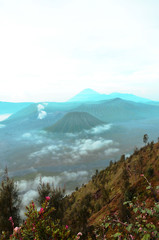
(73, 138)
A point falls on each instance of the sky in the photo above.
(50, 50)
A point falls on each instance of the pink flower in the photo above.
(142, 175)
(41, 210)
(79, 234)
(10, 219)
(47, 198)
(16, 229)
(132, 237)
(66, 226)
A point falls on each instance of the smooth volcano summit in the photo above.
(75, 122)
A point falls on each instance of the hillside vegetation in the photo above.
(110, 188)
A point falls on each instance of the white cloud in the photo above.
(89, 145)
(70, 151)
(30, 137)
(99, 129)
(27, 135)
(28, 188)
(111, 151)
(4, 116)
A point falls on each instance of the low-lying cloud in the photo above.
(4, 116)
(28, 188)
(30, 137)
(99, 129)
(75, 150)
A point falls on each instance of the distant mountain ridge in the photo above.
(11, 107)
(89, 95)
(119, 110)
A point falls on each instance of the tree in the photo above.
(145, 138)
(56, 199)
(9, 203)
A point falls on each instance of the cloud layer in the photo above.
(28, 189)
(99, 129)
(72, 150)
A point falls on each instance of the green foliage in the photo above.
(9, 204)
(56, 199)
(40, 226)
(143, 223)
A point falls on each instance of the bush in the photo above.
(39, 226)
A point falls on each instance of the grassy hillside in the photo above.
(75, 122)
(109, 188)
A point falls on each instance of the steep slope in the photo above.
(109, 188)
(75, 122)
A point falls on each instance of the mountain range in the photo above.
(89, 95)
(34, 138)
(44, 115)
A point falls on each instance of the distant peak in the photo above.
(89, 91)
(87, 94)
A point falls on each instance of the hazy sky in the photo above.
(52, 49)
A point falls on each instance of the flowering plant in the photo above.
(39, 225)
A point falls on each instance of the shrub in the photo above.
(39, 226)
